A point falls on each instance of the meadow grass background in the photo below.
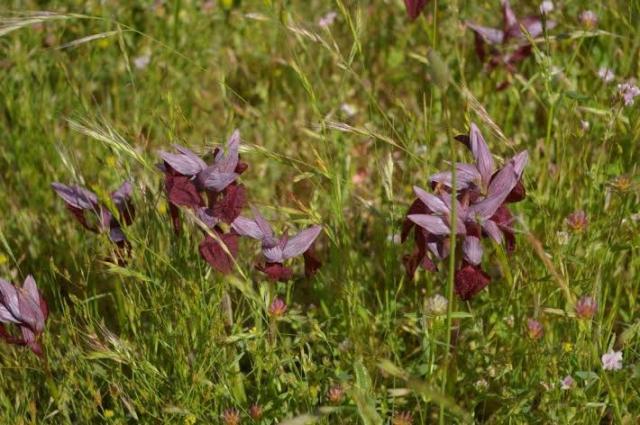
(155, 342)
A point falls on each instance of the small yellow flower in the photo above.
(189, 420)
(162, 207)
(108, 413)
(111, 161)
(103, 43)
(567, 347)
(3, 259)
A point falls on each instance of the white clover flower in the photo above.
(606, 74)
(612, 360)
(437, 305)
(546, 7)
(567, 383)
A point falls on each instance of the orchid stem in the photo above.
(452, 255)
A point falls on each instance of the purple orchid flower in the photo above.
(480, 195)
(507, 46)
(189, 180)
(414, 8)
(26, 308)
(96, 217)
(276, 250)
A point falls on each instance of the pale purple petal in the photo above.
(508, 16)
(519, 162)
(184, 164)
(31, 289)
(247, 227)
(6, 316)
(489, 35)
(9, 298)
(481, 153)
(472, 250)
(122, 194)
(466, 176)
(430, 223)
(217, 181)
(301, 242)
(116, 235)
(492, 230)
(434, 203)
(191, 155)
(264, 227)
(227, 162)
(206, 216)
(76, 196)
(273, 254)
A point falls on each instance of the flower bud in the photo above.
(586, 307)
(534, 329)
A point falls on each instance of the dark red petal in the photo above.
(311, 263)
(480, 47)
(276, 271)
(519, 55)
(502, 216)
(182, 192)
(241, 167)
(213, 253)
(174, 211)
(8, 338)
(233, 200)
(417, 207)
(518, 193)
(82, 219)
(470, 280)
(414, 7)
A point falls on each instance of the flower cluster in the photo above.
(95, 216)
(481, 195)
(26, 308)
(212, 193)
(507, 46)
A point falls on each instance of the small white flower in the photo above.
(546, 7)
(606, 74)
(348, 109)
(437, 305)
(142, 61)
(327, 20)
(567, 383)
(612, 360)
(585, 125)
(395, 239)
(562, 237)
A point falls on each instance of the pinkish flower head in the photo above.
(588, 19)
(277, 308)
(567, 383)
(577, 221)
(402, 418)
(255, 411)
(612, 360)
(335, 395)
(327, 20)
(534, 329)
(606, 74)
(628, 92)
(586, 307)
(231, 417)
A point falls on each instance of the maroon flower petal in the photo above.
(182, 192)
(233, 200)
(414, 8)
(417, 207)
(276, 271)
(517, 194)
(311, 263)
(214, 254)
(470, 280)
